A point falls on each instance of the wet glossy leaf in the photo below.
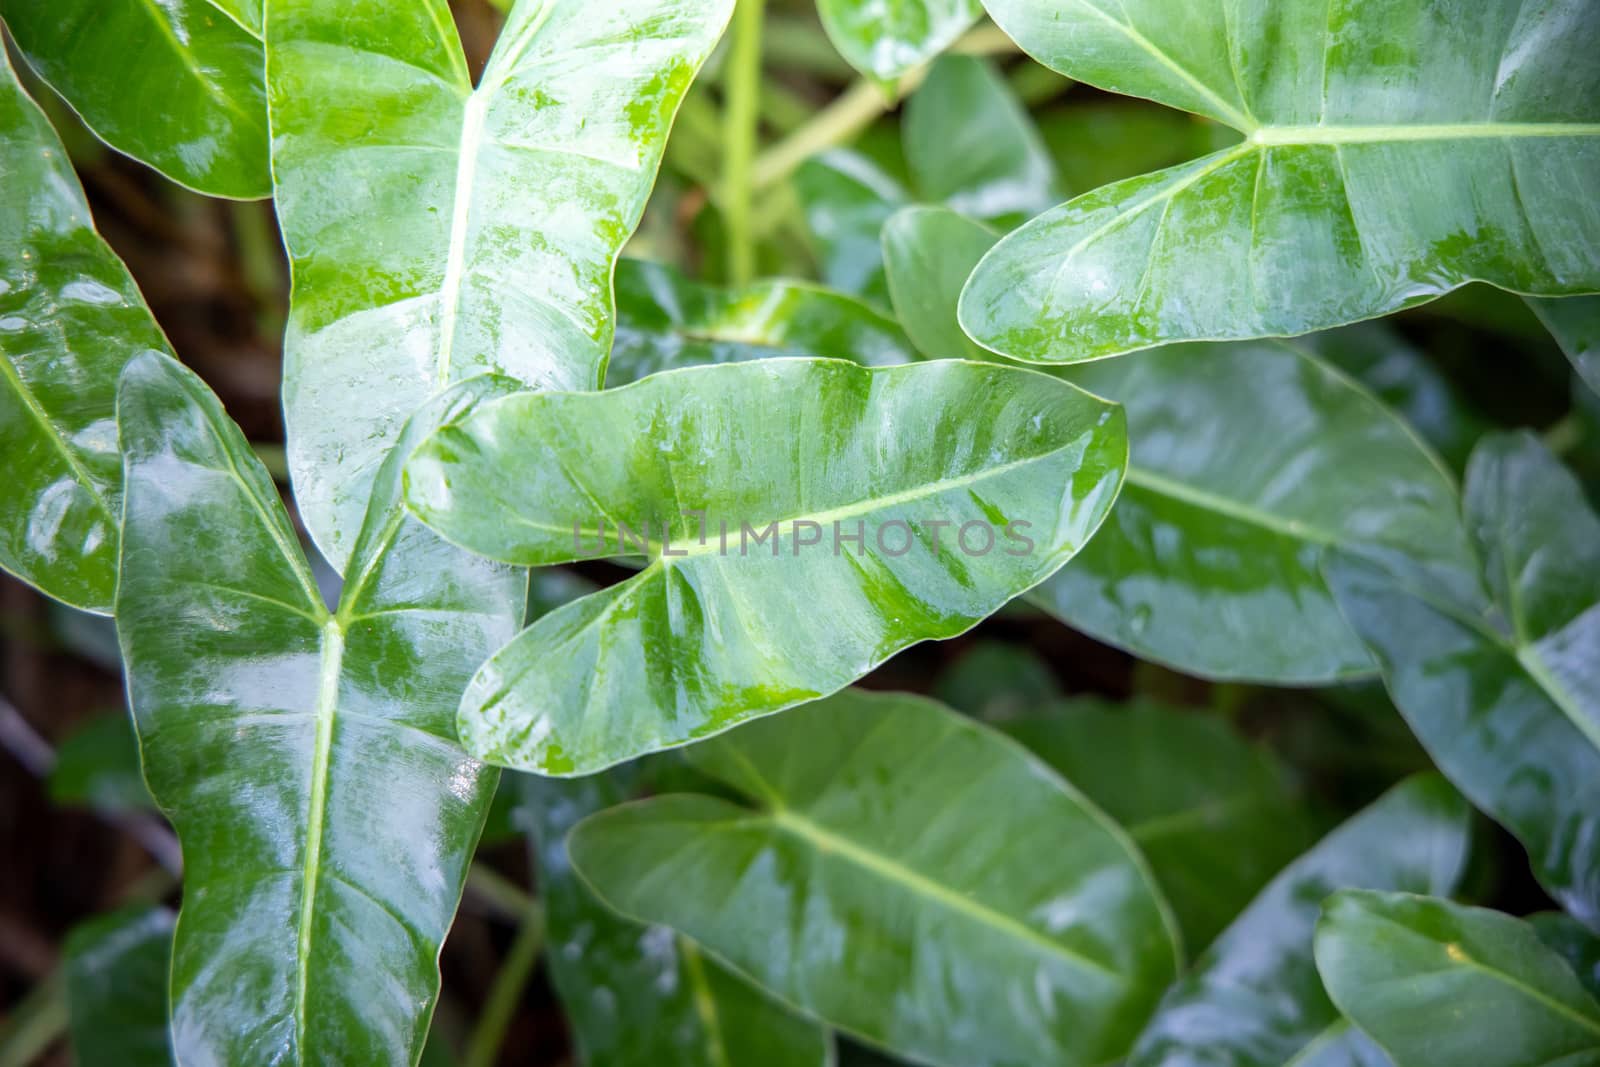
(764, 599)
(666, 321)
(70, 317)
(1575, 323)
(1248, 462)
(97, 766)
(177, 85)
(907, 875)
(438, 232)
(1254, 998)
(1391, 154)
(1436, 982)
(1503, 688)
(885, 40)
(1097, 142)
(1215, 816)
(643, 996)
(116, 971)
(307, 760)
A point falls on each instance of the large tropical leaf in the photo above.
(1575, 323)
(1392, 152)
(116, 970)
(644, 996)
(803, 499)
(437, 231)
(1215, 816)
(885, 40)
(306, 758)
(1254, 998)
(1573, 942)
(666, 321)
(908, 876)
(1248, 462)
(1503, 688)
(70, 317)
(1435, 982)
(176, 84)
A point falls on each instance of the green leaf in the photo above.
(886, 40)
(847, 199)
(1502, 688)
(1215, 817)
(643, 996)
(1097, 142)
(906, 875)
(1573, 942)
(1435, 982)
(116, 970)
(765, 599)
(1249, 461)
(97, 766)
(437, 232)
(1392, 153)
(666, 321)
(997, 682)
(70, 317)
(177, 85)
(307, 759)
(1254, 998)
(1575, 323)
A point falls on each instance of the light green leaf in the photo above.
(1575, 323)
(906, 875)
(666, 321)
(1504, 689)
(1392, 152)
(1435, 982)
(886, 40)
(116, 970)
(1248, 462)
(307, 759)
(437, 232)
(1215, 816)
(765, 599)
(177, 85)
(70, 317)
(1254, 998)
(643, 996)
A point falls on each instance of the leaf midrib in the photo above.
(80, 473)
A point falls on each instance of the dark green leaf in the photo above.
(1573, 942)
(908, 876)
(1575, 323)
(1254, 998)
(847, 199)
(1392, 153)
(1502, 689)
(175, 84)
(885, 40)
(928, 253)
(1215, 816)
(70, 317)
(1435, 982)
(438, 232)
(98, 766)
(808, 454)
(116, 968)
(666, 321)
(307, 760)
(997, 681)
(643, 995)
(1097, 142)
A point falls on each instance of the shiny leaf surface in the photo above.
(1503, 688)
(1254, 998)
(885, 40)
(177, 85)
(307, 759)
(438, 232)
(1248, 462)
(643, 996)
(1436, 982)
(1392, 152)
(1216, 817)
(70, 317)
(1575, 324)
(116, 971)
(803, 500)
(907, 875)
(666, 321)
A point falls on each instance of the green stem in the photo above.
(741, 120)
(483, 1048)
